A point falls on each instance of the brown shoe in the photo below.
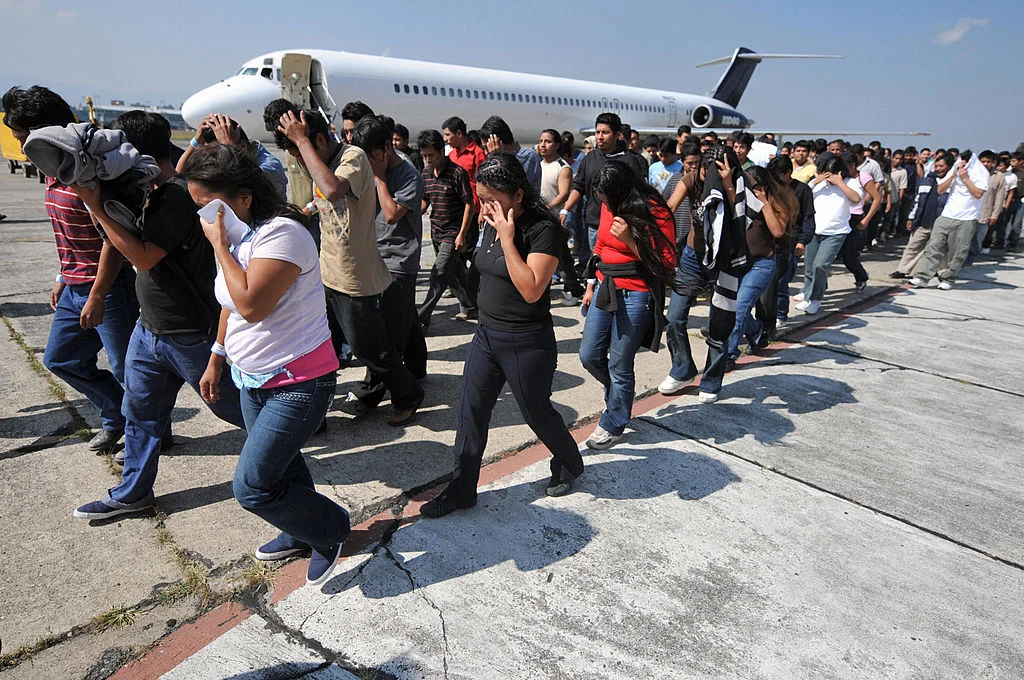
(400, 416)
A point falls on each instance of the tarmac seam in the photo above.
(850, 353)
(423, 596)
(836, 494)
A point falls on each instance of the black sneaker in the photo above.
(281, 547)
(898, 275)
(322, 562)
(108, 507)
(445, 504)
(860, 286)
(353, 406)
(105, 440)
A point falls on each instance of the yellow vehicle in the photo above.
(10, 148)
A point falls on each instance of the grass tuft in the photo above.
(118, 617)
(256, 576)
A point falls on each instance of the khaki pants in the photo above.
(950, 239)
(914, 250)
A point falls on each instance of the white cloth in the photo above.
(761, 152)
(961, 205)
(832, 207)
(549, 181)
(298, 323)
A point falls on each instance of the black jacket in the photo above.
(585, 180)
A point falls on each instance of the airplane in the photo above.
(421, 94)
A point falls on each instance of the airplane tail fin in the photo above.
(741, 66)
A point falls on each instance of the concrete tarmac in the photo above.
(894, 415)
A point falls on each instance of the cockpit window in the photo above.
(267, 72)
(248, 71)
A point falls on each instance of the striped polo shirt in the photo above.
(78, 242)
(447, 195)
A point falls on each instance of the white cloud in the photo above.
(959, 31)
(19, 6)
(66, 16)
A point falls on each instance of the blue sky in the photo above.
(938, 66)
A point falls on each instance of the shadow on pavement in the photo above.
(509, 525)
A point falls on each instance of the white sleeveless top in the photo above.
(549, 181)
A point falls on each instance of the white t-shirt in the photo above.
(961, 205)
(832, 207)
(1011, 182)
(298, 323)
(549, 172)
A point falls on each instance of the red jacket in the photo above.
(613, 251)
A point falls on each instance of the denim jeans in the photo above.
(1015, 222)
(784, 278)
(691, 280)
(362, 321)
(592, 237)
(526, 360)
(610, 342)
(156, 368)
(819, 255)
(272, 480)
(755, 282)
(850, 254)
(71, 350)
(449, 271)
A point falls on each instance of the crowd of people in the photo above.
(255, 302)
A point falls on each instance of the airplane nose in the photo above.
(202, 103)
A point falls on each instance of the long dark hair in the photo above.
(781, 197)
(635, 201)
(505, 174)
(232, 171)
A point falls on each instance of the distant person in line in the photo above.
(273, 328)
(93, 299)
(497, 136)
(860, 221)
(400, 141)
(954, 229)
(170, 346)
(741, 146)
(352, 113)
(661, 170)
(350, 264)
(219, 129)
(991, 205)
(803, 166)
(634, 259)
(556, 182)
(399, 225)
(608, 147)
(468, 155)
(835, 192)
(514, 342)
(447, 193)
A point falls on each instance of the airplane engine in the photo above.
(707, 116)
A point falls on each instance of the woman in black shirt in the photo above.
(515, 338)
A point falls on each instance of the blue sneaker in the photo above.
(108, 507)
(321, 565)
(281, 547)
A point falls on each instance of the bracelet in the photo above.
(563, 211)
(60, 279)
(219, 350)
(311, 207)
(194, 143)
(591, 282)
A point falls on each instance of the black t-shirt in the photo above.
(176, 295)
(501, 305)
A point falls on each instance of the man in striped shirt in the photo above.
(94, 298)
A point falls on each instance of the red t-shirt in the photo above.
(613, 251)
(469, 159)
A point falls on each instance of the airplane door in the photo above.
(295, 71)
(321, 96)
(673, 115)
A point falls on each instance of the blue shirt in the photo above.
(531, 164)
(659, 174)
(273, 169)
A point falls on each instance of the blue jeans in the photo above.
(71, 350)
(272, 480)
(610, 341)
(819, 255)
(752, 285)
(157, 366)
(691, 280)
(1016, 221)
(785, 277)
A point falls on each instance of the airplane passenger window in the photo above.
(406, 89)
(451, 92)
(433, 91)
(415, 89)
(425, 90)
(460, 91)
(476, 94)
(397, 88)
(444, 92)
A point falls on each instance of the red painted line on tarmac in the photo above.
(189, 639)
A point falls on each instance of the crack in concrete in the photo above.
(423, 596)
(835, 494)
(275, 623)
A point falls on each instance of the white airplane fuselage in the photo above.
(421, 95)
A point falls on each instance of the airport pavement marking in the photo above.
(192, 637)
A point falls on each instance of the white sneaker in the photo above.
(570, 300)
(945, 285)
(986, 251)
(812, 307)
(707, 397)
(602, 439)
(919, 283)
(803, 305)
(670, 385)
(799, 297)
